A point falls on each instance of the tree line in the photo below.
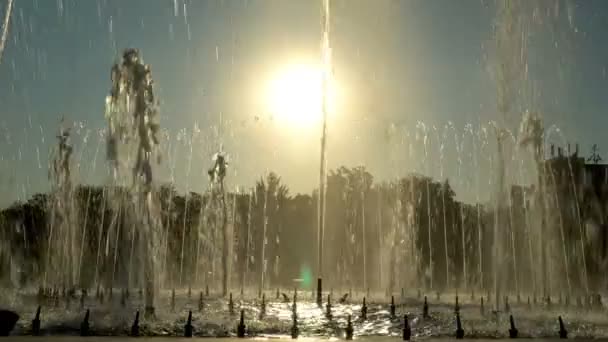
(406, 233)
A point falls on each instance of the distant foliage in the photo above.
(402, 222)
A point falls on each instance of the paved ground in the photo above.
(111, 318)
(212, 339)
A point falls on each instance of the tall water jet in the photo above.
(189, 143)
(264, 237)
(498, 253)
(510, 73)
(62, 242)
(363, 189)
(326, 67)
(558, 206)
(444, 189)
(247, 241)
(469, 129)
(380, 231)
(532, 134)
(217, 175)
(132, 114)
(430, 269)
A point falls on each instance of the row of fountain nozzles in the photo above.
(85, 329)
(294, 330)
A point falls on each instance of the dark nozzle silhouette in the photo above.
(349, 328)
(207, 290)
(407, 331)
(231, 304)
(240, 329)
(393, 308)
(319, 292)
(512, 331)
(263, 307)
(36, 323)
(123, 299)
(285, 297)
(84, 326)
(563, 333)
(344, 298)
(200, 302)
(425, 309)
(188, 327)
(295, 331)
(83, 295)
(294, 309)
(364, 310)
(328, 307)
(459, 330)
(135, 326)
(456, 306)
(173, 300)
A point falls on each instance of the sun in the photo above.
(295, 95)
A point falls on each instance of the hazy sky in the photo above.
(396, 63)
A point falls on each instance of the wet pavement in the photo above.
(111, 318)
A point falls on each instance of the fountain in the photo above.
(217, 175)
(132, 114)
(63, 235)
(411, 232)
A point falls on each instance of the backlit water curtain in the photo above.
(535, 230)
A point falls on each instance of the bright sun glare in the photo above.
(295, 95)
